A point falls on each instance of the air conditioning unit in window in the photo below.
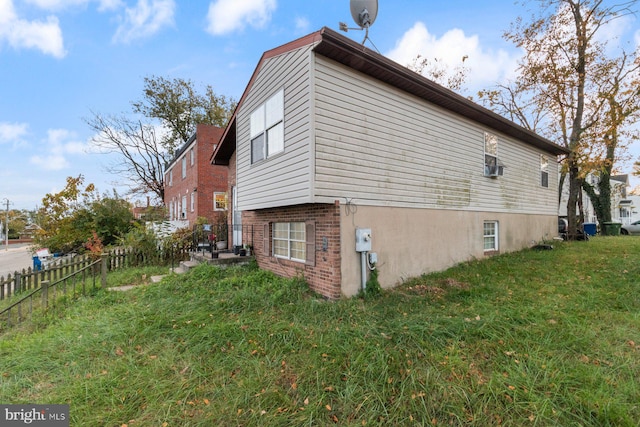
(494, 171)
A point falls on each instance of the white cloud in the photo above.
(12, 132)
(302, 25)
(226, 16)
(109, 5)
(486, 66)
(145, 19)
(51, 162)
(60, 144)
(19, 33)
(64, 4)
(56, 4)
(613, 31)
(66, 142)
(7, 14)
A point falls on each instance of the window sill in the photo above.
(271, 157)
(298, 261)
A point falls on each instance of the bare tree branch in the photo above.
(142, 158)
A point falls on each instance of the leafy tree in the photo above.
(564, 83)
(77, 214)
(112, 218)
(436, 70)
(18, 221)
(171, 109)
(63, 216)
(613, 132)
(180, 108)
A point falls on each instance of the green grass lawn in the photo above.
(535, 338)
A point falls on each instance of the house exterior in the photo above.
(193, 187)
(147, 212)
(331, 142)
(623, 207)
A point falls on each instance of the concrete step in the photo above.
(187, 265)
(179, 270)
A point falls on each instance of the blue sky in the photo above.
(62, 59)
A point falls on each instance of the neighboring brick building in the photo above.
(193, 186)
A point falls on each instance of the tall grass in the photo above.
(532, 338)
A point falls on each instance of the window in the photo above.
(183, 210)
(192, 155)
(171, 178)
(490, 236)
(289, 240)
(184, 167)
(219, 201)
(490, 154)
(193, 201)
(267, 128)
(171, 210)
(544, 171)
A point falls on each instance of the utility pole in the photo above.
(6, 226)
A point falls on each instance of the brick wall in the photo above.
(325, 276)
(212, 178)
(202, 177)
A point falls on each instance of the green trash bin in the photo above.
(611, 228)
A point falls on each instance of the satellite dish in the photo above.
(364, 12)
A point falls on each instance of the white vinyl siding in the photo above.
(286, 178)
(380, 146)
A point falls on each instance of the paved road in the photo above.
(15, 258)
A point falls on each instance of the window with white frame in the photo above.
(219, 201)
(183, 210)
(171, 178)
(184, 167)
(171, 210)
(192, 155)
(544, 171)
(490, 236)
(267, 128)
(490, 154)
(289, 240)
(193, 201)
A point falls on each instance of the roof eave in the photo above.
(227, 145)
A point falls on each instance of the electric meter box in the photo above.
(363, 239)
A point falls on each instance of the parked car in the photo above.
(563, 230)
(633, 228)
(563, 226)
